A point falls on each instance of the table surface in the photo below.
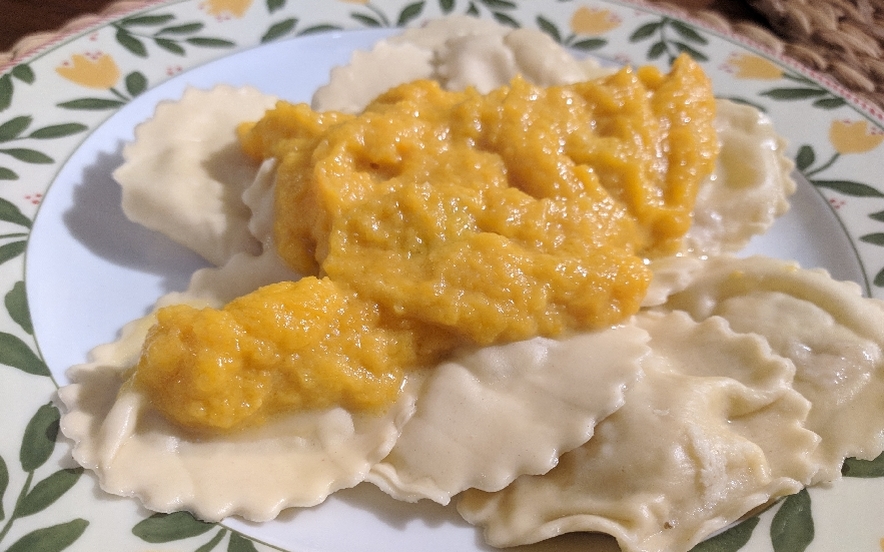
(24, 17)
(21, 18)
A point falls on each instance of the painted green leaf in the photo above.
(793, 93)
(472, 10)
(92, 104)
(210, 42)
(169, 46)
(366, 20)
(57, 131)
(731, 540)
(28, 155)
(830, 103)
(656, 50)
(687, 32)
(38, 441)
(505, 19)
(848, 187)
(6, 90)
(238, 543)
(4, 483)
(806, 157)
(187, 28)
(863, 468)
(876, 238)
(8, 174)
(13, 128)
(589, 44)
(51, 539)
(15, 353)
(131, 43)
(159, 19)
(691, 51)
(409, 13)
(16, 302)
(12, 250)
(446, 5)
(314, 29)
(24, 73)
(209, 546)
(170, 527)
(794, 77)
(549, 28)
(879, 279)
(47, 491)
(136, 83)
(879, 216)
(791, 529)
(274, 5)
(645, 31)
(10, 213)
(499, 4)
(280, 29)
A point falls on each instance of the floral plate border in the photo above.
(54, 97)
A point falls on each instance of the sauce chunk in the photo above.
(454, 217)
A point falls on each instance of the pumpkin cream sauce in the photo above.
(434, 219)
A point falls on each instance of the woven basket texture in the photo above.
(841, 38)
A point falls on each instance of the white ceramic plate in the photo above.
(73, 269)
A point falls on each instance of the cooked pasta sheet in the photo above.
(711, 430)
(296, 460)
(194, 139)
(524, 404)
(819, 338)
(832, 334)
(184, 175)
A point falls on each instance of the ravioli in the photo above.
(747, 191)
(711, 430)
(524, 404)
(832, 333)
(193, 140)
(296, 460)
(458, 52)
(749, 188)
(220, 228)
(118, 439)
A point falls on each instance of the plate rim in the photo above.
(857, 104)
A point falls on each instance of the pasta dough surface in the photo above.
(519, 406)
(193, 141)
(698, 443)
(297, 460)
(832, 333)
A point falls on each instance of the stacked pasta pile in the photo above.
(739, 380)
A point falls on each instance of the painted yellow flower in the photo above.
(750, 66)
(593, 21)
(94, 70)
(854, 136)
(220, 8)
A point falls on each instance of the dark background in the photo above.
(19, 18)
